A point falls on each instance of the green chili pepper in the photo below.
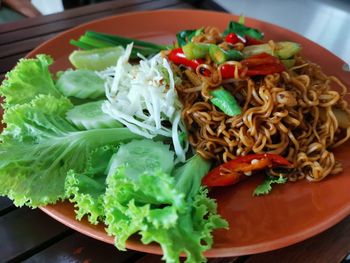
(219, 55)
(225, 101)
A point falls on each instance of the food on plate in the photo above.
(267, 99)
(136, 132)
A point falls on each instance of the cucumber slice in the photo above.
(288, 63)
(287, 49)
(284, 49)
(142, 156)
(80, 83)
(96, 59)
(90, 116)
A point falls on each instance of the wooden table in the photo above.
(31, 236)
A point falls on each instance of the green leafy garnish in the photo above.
(185, 36)
(242, 30)
(266, 186)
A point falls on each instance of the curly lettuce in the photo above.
(171, 209)
(28, 79)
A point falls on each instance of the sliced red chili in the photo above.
(178, 57)
(233, 38)
(252, 41)
(228, 71)
(260, 59)
(235, 170)
(262, 64)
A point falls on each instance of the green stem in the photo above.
(124, 40)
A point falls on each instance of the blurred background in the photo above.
(326, 22)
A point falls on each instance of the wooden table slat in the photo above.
(24, 229)
(80, 248)
(8, 63)
(24, 46)
(61, 25)
(67, 14)
(5, 205)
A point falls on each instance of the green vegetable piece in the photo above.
(195, 50)
(124, 41)
(96, 59)
(241, 19)
(90, 116)
(288, 63)
(219, 55)
(29, 78)
(142, 156)
(265, 187)
(242, 30)
(185, 36)
(81, 83)
(94, 42)
(225, 101)
(252, 50)
(284, 50)
(87, 189)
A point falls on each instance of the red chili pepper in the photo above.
(262, 64)
(234, 171)
(252, 41)
(178, 57)
(233, 38)
(228, 71)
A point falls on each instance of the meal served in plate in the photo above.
(136, 133)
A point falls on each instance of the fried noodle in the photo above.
(290, 113)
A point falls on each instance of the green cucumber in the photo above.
(80, 83)
(219, 55)
(195, 50)
(142, 156)
(284, 50)
(288, 63)
(90, 116)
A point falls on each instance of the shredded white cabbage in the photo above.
(143, 98)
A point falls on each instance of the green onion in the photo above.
(225, 101)
(92, 40)
(125, 40)
(81, 44)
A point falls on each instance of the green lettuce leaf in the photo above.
(171, 209)
(28, 79)
(86, 189)
(265, 187)
(40, 146)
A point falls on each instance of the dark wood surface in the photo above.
(31, 236)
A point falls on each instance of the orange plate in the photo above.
(293, 212)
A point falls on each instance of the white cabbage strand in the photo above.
(140, 98)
